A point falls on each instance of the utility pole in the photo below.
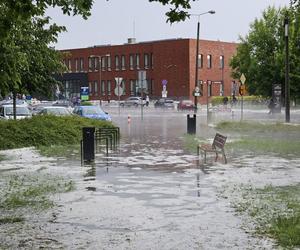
(287, 70)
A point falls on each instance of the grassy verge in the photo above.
(191, 142)
(19, 194)
(45, 131)
(67, 151)
(256, 138)
(2, 157)
(31, 191)
(275, 211)
(281, 147)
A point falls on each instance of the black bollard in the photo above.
(191, 124)
(88, 141)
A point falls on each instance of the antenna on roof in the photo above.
(133, 28)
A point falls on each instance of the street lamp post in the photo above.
(287, 69)
(197, 50)
(100, 67)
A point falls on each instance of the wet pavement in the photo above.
(149, 194)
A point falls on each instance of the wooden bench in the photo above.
(216, 147)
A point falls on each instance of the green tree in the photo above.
(261, 54)
(26, 61)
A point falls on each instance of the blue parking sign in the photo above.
(84, 93)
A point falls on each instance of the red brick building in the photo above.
(172, 61)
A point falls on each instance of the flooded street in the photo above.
(149, 194)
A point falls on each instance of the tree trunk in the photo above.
(14, 105)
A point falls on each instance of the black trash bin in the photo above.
(191, 124)
(88, 143)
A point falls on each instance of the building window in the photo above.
(81, 67)
(108, 87)
(137, 61)
(123, 86)
(132, 87)
(117, 62)
(103, 65)
(95, 87)
(69, 65)
(151, 60)
(221, 62)
(76, 64)
(234, 88)
(123, 62)
(200, 85)
(200, 61)
(90, 63)
(109, 63)
(146, 61)
(102, 87)
(91, 88)
(151, 87)
(131, 62)
(209, 88)
(209, 61)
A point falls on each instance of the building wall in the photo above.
(170, 60)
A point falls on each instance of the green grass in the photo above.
(267, 145)
(191, 142)
(274, 210)
(45, 131)
(2, 157)
(257, 127)
(31, 191)
(67, 151)
(260, 138)
(11, 219)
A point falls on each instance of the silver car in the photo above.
(133, 101)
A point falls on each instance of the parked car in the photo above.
(94, 112)
(64, 103)
(53, 110)
(133, 101)
(186, 105)
(22, 111)
(164, 103)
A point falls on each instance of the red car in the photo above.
(186, 105)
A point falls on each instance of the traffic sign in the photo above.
(243, 78)
(164, 82)
(84, 93)
(119, 91)
(118, 80)
(164, 94)
(197, 91)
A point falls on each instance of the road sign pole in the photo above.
(242, 107)
(142, 99)
(243, 80)
(119, 97)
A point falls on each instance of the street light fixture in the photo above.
(197, 50)
(100, 66)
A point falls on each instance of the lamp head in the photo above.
(211, 12)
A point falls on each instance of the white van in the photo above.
(22, 111)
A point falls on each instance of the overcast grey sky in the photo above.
(113, 21)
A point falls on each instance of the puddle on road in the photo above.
(149, 195)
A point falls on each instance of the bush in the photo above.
(45, 131)
(217, 100)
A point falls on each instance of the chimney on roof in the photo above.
(131, 40)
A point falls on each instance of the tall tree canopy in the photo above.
(26, 61)
(261, 54)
